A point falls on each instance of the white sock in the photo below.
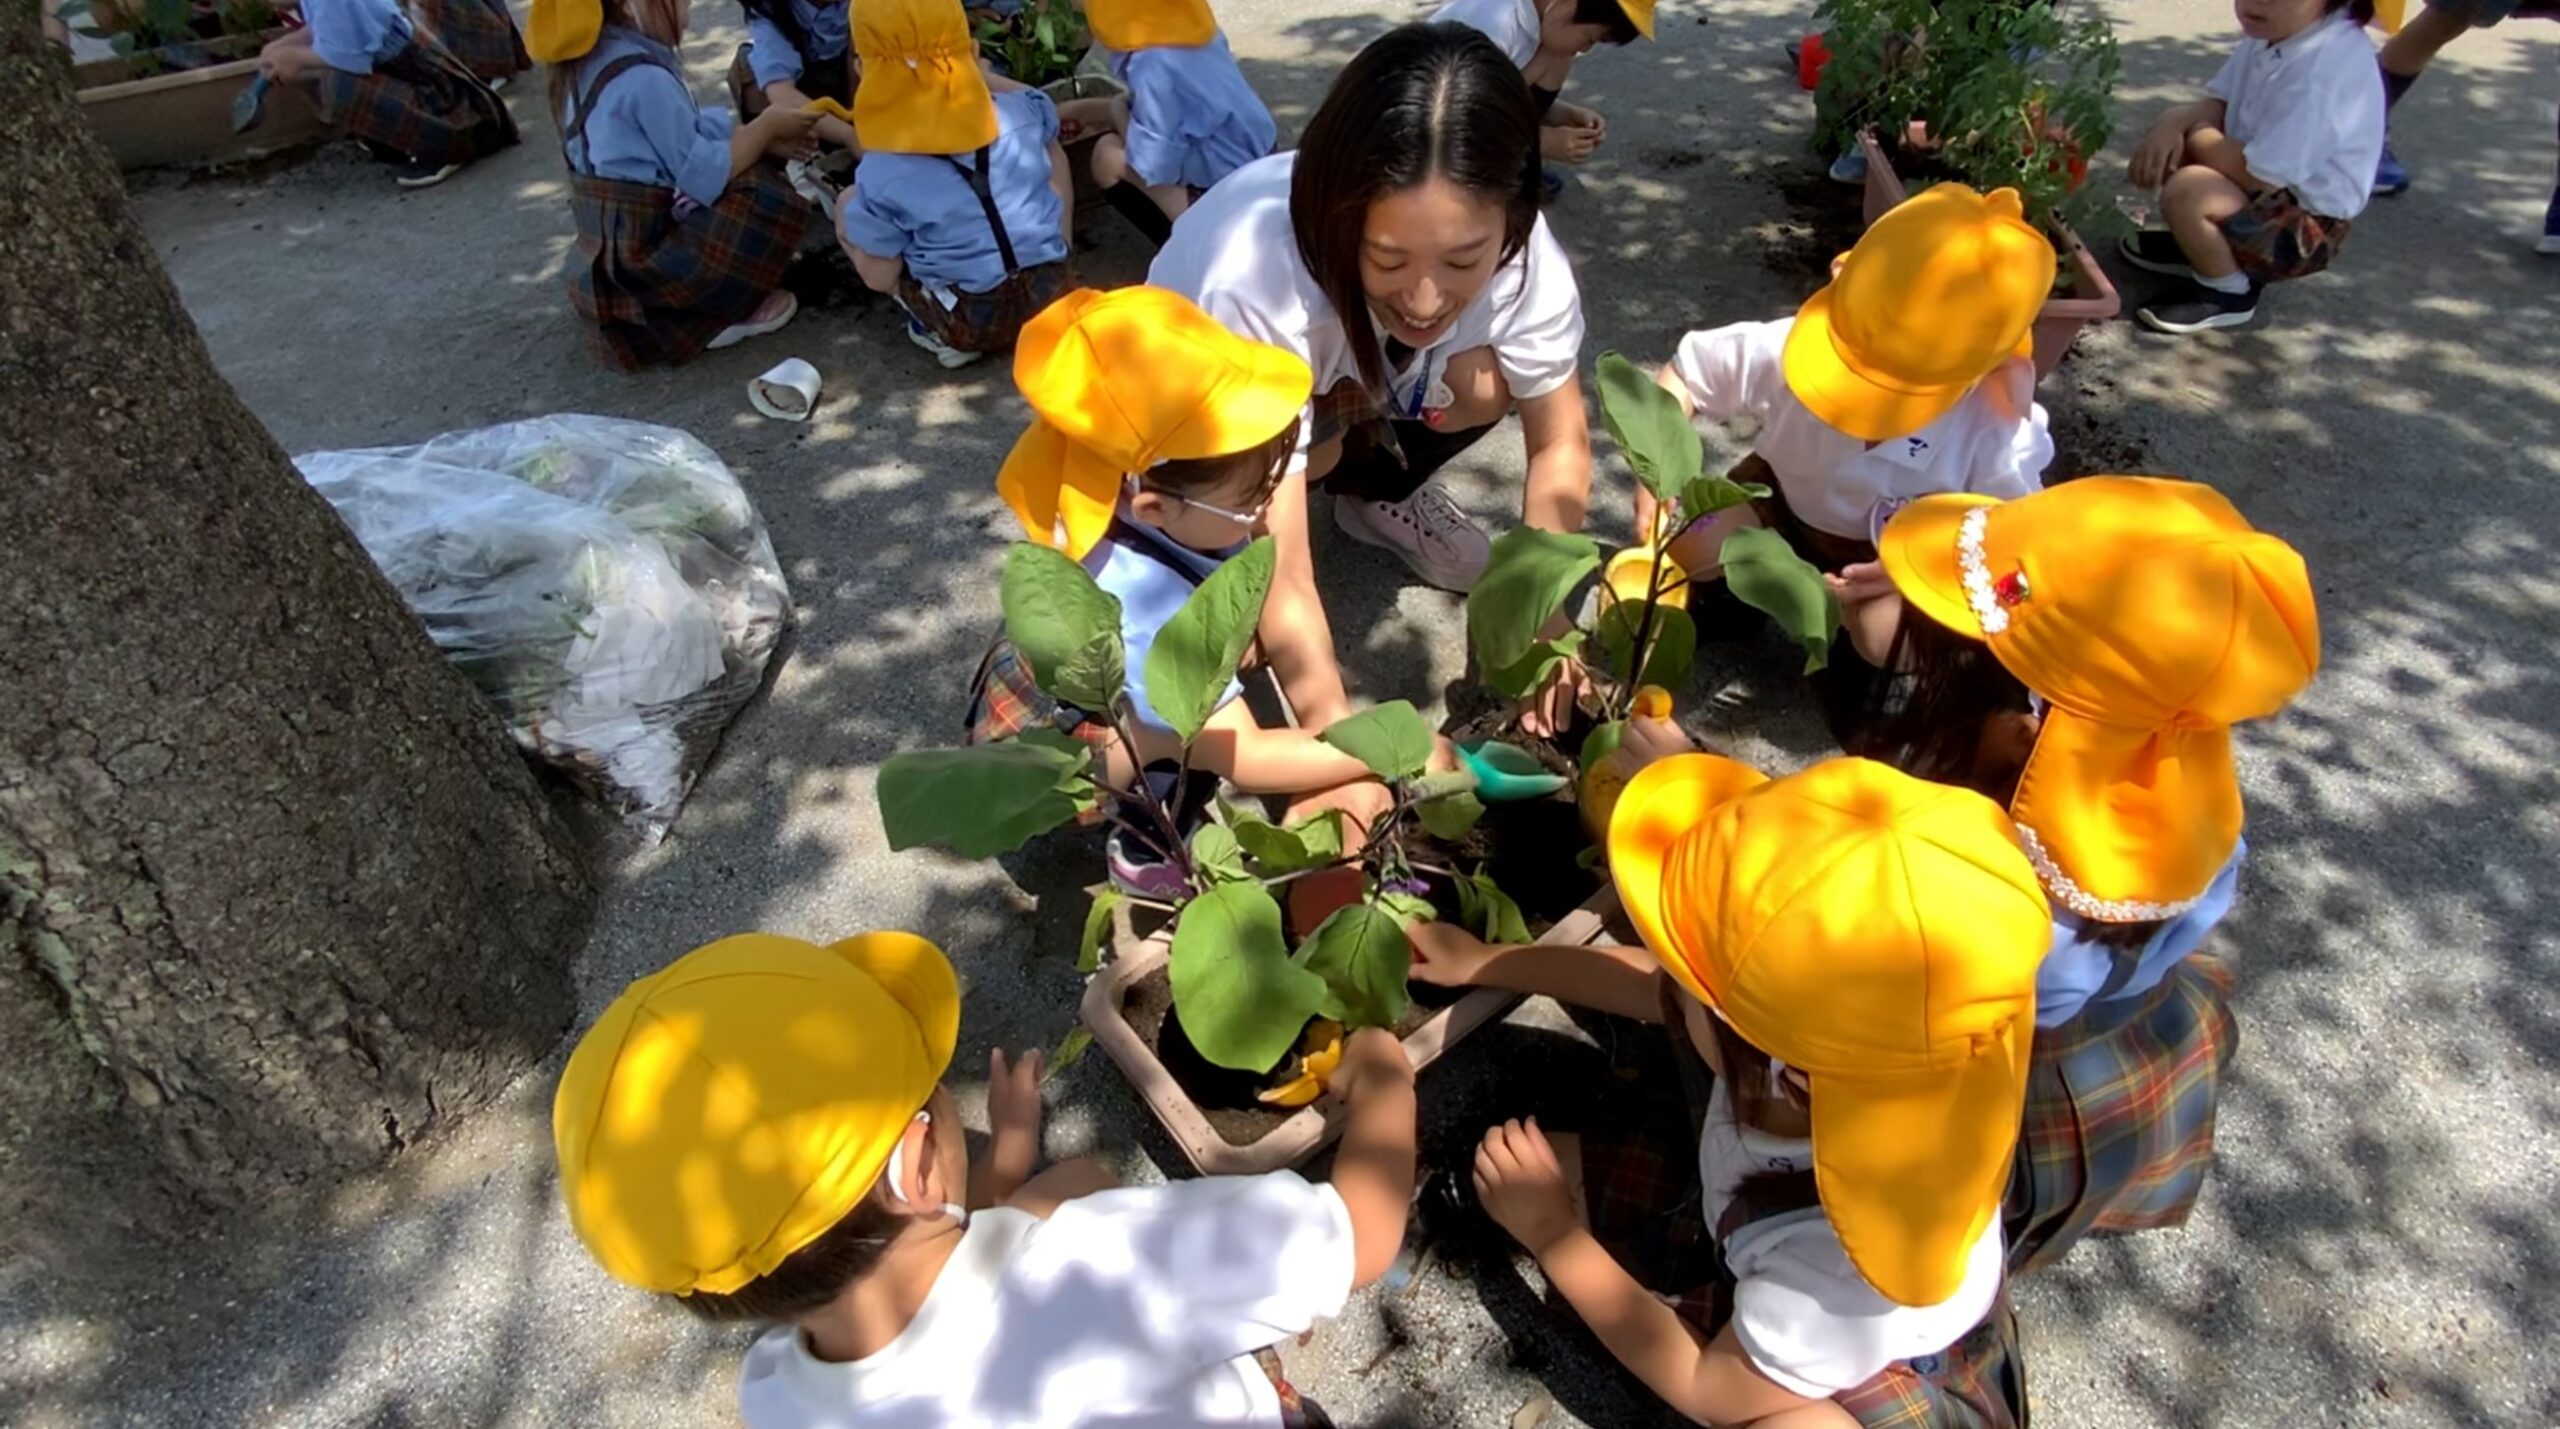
(2235, 282)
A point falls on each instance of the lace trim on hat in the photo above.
(1988, 612)
(2088, 905)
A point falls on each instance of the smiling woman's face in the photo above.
(1425, 253)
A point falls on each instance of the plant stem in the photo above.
(1177, 851)
(1644, 632)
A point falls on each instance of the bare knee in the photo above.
(2203, 193)
(1478, 393)
(1110, 160)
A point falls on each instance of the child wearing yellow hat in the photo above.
(1544, 38)
(761, 1131)
(1190, 119)
(2081, 656)
(962, 204)
(1851, 953)
(684, 228)
(1158, 439)
(1910, 373)
(381, 80)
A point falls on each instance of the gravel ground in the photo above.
(2378, 1247)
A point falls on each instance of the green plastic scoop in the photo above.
(1506, 773)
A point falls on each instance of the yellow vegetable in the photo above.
(1653, 702)
(1318, 1054)
(831, 109)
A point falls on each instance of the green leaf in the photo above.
(1097, 927)
(985, 799)
(1065, 628)
(1242, 1000)
(1217, 856)
(1489, 912)
(1601, 743)
(1310, 843)
(1391, 739)
(1449, 819)
(1408, 908)
(1710, 494)
(1528, 577)
(1649, 427)
(1590, 856)
(1196, 652)
(1518, 681)
(1443, 784)
(1071, 1050)
(1361, 954)
(1766, 574)
(1674, 641)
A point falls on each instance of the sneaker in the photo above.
(1551, 184)
(2156, 250)
(2202, 309)
(769, 316)
(1141, 871)
(499, 85)
(2388, 176)
(943, 352)
(421, 174)
(1850, 168)
(1439, 541)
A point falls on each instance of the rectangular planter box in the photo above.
(2094, 298)
(182, 119)
(1314, 1127)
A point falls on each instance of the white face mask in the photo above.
(897, 1174)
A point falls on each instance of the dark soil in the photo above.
(1824, 221)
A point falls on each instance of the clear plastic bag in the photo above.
(605, 582)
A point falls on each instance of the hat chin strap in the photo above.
(897, 1174)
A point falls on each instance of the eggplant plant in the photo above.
(1243, 994)
(1639, 631)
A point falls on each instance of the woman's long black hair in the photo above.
(1420, 101)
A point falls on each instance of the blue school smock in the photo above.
(2078, 973)
(773, 59)
(646, 127)
(356, 35)
(920, 207)
(1152, 574)
(1193, 119)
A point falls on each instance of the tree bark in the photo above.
(277, 894)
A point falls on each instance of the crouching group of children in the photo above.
(1936, 1009)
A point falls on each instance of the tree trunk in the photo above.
(277, 895)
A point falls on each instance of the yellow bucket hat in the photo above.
(1934, 297)
(728, 1110)
(2151, 617)
(1880, 934)
(1639, 13)
(559, 31)
(1126, 25)
(921, 90)
(1124, 379)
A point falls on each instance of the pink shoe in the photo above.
(771, 315)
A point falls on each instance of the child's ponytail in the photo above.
(1422, 101)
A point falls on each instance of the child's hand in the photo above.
(1549, 709)
(1013, 1109)
(1371, 1058)
(1522, 1186)
(1574, 116)
(787, 133)
(1566, 144)
(1859, 583)
(1446, 955)
(2158, 155)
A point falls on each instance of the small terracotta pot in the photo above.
(1312, 1128)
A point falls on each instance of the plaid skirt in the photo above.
(820, 79)
(1004, 701)
(2118, 1131)
(2276, 238)
(656, 289)
(421, 102)
(1646, 1208)
(480, 33)
(1296, 1410)
(988, 321)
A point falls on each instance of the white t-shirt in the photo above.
(1512, 25)
(1994, 441)
(1137, 1308)
(1235, 255)
(1802, 1312)
(2308, 113)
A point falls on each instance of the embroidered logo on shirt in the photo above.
(1918, 445)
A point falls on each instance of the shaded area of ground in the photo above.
(2378, 1246)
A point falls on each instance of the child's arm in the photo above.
(1522, 1187)
(2164, 148)
(1602, 977)
(1013, 1128)
(1071, 1180)
(1373, 1171)
(1557, 431)
(877, 273)
(1296, 637)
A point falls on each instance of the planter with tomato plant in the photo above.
(1993, 94)
(165, 100)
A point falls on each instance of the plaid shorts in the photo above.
(1004, 701)
(2275, 238)
(655, 289)
(480, 33)
(988, 321)
(2118, 1131)
(421, 102)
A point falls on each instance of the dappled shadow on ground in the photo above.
(2381, 1226)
